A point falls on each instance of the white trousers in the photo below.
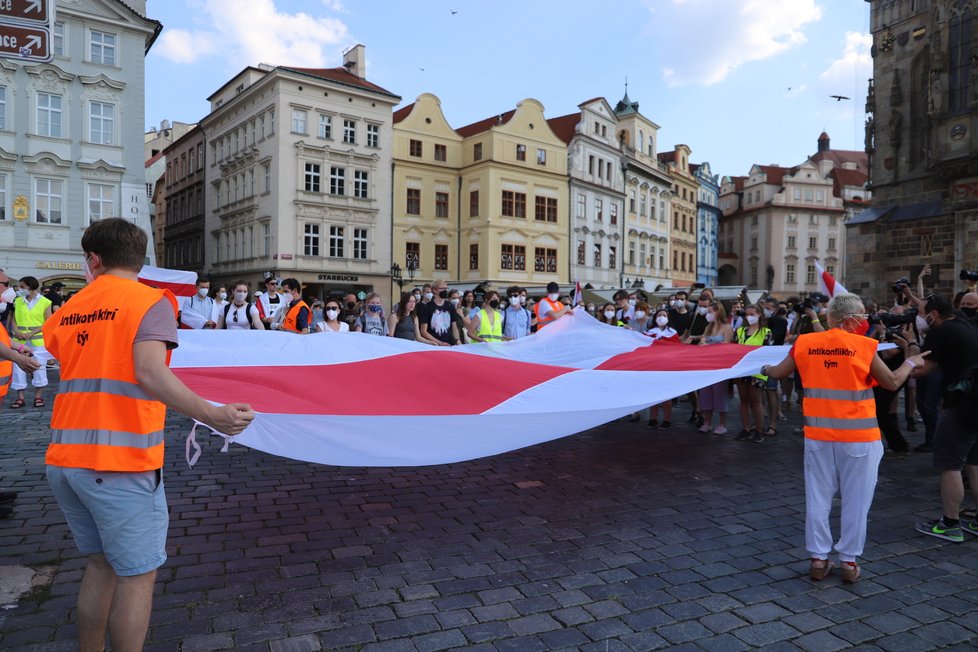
(40, 377)
(849, 469)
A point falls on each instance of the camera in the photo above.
(894, 323)
(900, 284)
(965, 275)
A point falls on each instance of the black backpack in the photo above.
(227, 309)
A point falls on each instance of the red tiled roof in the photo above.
(843, 178)
(403, 112)
(341, 75)
(565, 126)
(738, 183)
(154, 159)
(775, 173)
(667, 157)
(485, 125)
(840, 156)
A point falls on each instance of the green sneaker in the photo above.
(970, 526)
(939, 530)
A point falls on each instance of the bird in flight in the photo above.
(453, 11)
(838, 98)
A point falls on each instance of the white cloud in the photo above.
(262, 34)
(855, 62)
(703, 41)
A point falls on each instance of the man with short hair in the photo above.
(198, 311)
(549, 309)
(436, 320)
(969, 307)
(679, 315)
(427, 294)
(298, 317)
(271, 303)
(516, 318)
(104, 463)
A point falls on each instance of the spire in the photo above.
(625, 105)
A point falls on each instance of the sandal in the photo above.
(17, 404)
(820, 569)
(39, 402)
(770, 432)
(850, 572)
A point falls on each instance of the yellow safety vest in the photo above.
(25, 317)
(490, 332)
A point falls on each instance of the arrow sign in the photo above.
(24, 43)
(31, 11)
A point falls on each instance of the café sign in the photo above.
(343, 278)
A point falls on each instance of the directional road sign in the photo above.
(25, 43)
(32, 11)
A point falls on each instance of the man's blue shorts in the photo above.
(119, 514)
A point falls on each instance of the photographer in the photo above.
(895, 328)
(953, 347)
(809, 318)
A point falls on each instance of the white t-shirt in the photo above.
(323, 328)
(242, 322)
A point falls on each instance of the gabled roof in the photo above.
(843, 178)
(565, 126)
(153, 159)
(840, 156)
(667, 157)
(342, 76)
(775, 173)
(485, 125)
(403, 112)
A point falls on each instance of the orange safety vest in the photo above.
(6, 366)
(834, 367)
(289, 324)
(554, 307)
(102, 418)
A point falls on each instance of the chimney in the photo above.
(355, 60)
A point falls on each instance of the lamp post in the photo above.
(412, 268)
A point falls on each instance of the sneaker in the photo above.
(938, 529)
(720, 431)
(820, 569)
(665, 425)
(850, 572)
(705, 428)
(653, 423)
(970, 526)
(926, 447)
(743, 435)
(756, 437)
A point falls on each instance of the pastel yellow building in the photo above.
(683, 236)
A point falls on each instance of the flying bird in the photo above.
(453, 11)
(839, 98)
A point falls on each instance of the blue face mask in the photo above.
(374, 308)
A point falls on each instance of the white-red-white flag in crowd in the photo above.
(177, 281)
(578, 295)
(827, 283)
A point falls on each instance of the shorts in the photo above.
(955, 443)
(118, 514)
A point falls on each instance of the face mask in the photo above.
(455, 302)
(701, 310)
(591, 310)
(522, 299)
(89, 277)
(494, 304)
(332, 314)
(768, 313)
(752, 319)
(922, 324)
(639, 314)
(350, 305)
(428, 296)
(373, 307)
(202, 292)
(8, 295)
(443, 294)
(22, 292)
(514, 301)
(553, 297)
(609, 314)
(969, 312)
(240, 297)
(317, 315)
(632, 302)
(710, 317)
(662, 320)
(222, 295)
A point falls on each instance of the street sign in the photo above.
(31, 11)
(25, 43)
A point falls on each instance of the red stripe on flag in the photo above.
(470, 384)
(670, 356)
(178, 289)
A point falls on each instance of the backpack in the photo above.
(529, 317)
(227, 309)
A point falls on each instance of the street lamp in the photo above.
(396, 275)
(412, 267)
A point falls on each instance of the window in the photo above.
(298, 121)
(48, 200)
(813, 242)
(373, 136)
(441, 256)
(474, 203)
(675, 259)
(797, 194)
(753, 274)
(809, 196)
(267, 173)
(590, 165)
(613, 212)
(545, 209)
(360, 244)
(102, 48)
(581, 252)
(514, 204)
(49, 115)
(631, 201)
(412, 255)
(600, 168)
(581, 205)
(58, 45)
(441, 153)
(791, 242)
(415, 148)
(101, 202)
(545, 260)
(513, 257)
(414, 201)
(506, 256)
(521, 152)
(612, 257)
(541, 157)
(598, 209)
(753, 243)
(792, 218)
(3, 108)
(597, 255)
(336, 242)
(325, 126)
(813, 220)
(266, 230)
(810, 274)
(350, 131)
(312, 177)
(831, 244)
(441, 206)
(819, 196)
(360, 186)
(477, 151)
(789, 273)
(833, 220)
(959, 58)
(337, 181)
(631, 253)
(311, 240)
(473, 256)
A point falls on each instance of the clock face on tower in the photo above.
(886, 41)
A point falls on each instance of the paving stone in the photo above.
(722, 622)
(533, 624)
(762, 613)
(722, 643)
(306, 643)
(765, 633)
(683, 632)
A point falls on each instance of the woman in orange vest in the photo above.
(838, 369)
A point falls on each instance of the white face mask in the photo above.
(89, 276)
(22, 292)
(454, 302)
(701, 310)
(553, 296)
(428, 296)
(8, 295)
(632, 302)
(710, 317)
(522, 299)
(922, 324)
(332, 313)
(609, 314)
(662, 321)
(202, 292)
(768, 313)
(222, 295)
(241, 297)
(639, 314)
(752, 319)
(514, 301)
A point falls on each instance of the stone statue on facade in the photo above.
(870, 135)
(935, 100)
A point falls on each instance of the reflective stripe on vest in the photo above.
(841, 424)
(4, 379)
(490, 332)
(107, 438)
(104, 386)
(31, 317)
(839, 394)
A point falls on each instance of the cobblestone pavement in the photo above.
(620, 538)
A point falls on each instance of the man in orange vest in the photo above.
(839, 368)
(298, 316)
(549, 309)
(105, 459)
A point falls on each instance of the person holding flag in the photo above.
(827, 284)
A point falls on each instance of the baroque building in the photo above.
(685, 189)
(922, 140)
(70, 138)
(707, 223)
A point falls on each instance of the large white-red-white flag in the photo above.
(177, 281)
(827, 283)
(352, 399)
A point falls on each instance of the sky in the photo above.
(738, 81)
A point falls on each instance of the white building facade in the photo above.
(71, 138)
(298, 178)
